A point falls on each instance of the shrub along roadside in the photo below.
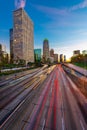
(83, 65)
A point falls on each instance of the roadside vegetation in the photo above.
(80, 61)
(11, 66)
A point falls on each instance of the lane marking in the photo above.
(12, 114)
(51, 89)
(82, 125)
(63, 126)
(43, 124)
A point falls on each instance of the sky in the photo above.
(62, 22)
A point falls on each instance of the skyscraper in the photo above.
(37, 54)
(52, 53)
(56, 58)
(61, 58)
(64, 58)
(46, 49)
(23, 43)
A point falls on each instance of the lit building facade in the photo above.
(2, 48)
(46, 49)
(4, 57)
(56, 58)
(23, 43)
(51, 53)
(37, 55)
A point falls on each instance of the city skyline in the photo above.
(63, 24)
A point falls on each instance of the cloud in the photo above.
(63, 16)
(62, 12)
(51, 10)
(75, 24)
(79, 6)
(81, 32)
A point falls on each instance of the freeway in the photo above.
(49, 100)
(7, 79)
(77, 69)
(13, 95)
(77, 77)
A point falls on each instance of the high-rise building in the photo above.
(61, 58)
(23, 43)
(64, 58)
(56, 58)
(51, 53)
(11, 45)
(3, 54)
(46, 49)
(37, 54)
(2, 48)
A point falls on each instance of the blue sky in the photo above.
(63, 22)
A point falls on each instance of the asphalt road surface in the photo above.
(48, 100)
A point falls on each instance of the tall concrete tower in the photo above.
(52, 53)
(23, 41)
(46, 49)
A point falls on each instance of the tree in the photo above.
(78, 59)
(21, 62)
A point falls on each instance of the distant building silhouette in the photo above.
(37, 55)
(76, 52)
(46, 49)
(64, 58)
(61, 58)
(56, 58)
(52, 53)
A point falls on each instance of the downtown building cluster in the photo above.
(50, 56)
(22, 43)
